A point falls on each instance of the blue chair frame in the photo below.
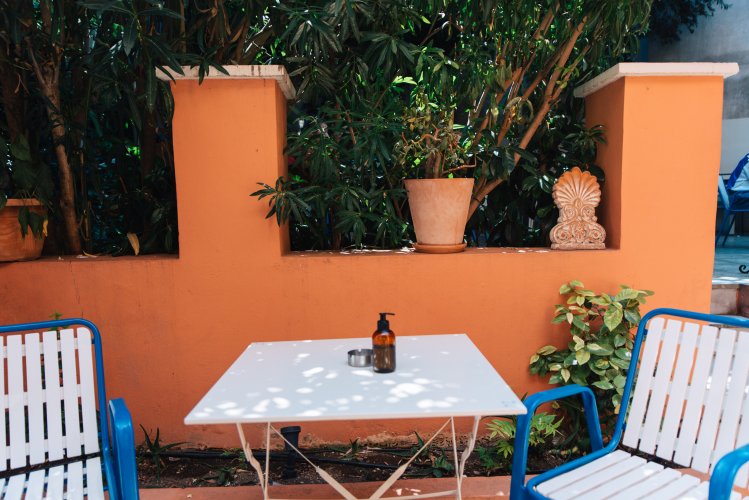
(118, 456)
(729, 212)
(723, 476)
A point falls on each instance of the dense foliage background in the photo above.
(85, 125)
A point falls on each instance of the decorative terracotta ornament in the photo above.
(577, 194)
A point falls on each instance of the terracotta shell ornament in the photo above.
(577, 194)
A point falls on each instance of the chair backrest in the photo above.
(723, 193)
(736, 173)
(49, 408)
(689, 395)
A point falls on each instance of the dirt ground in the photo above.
(347, 464)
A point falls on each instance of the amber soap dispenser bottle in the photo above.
(383, 346)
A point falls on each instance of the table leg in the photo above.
(458, 476)
(261, 478)
(470, 445)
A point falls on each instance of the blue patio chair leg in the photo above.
(722, 229)
(728, 228)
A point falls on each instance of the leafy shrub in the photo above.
(599, 353)
(544, 426)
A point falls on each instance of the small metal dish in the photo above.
(360, 357)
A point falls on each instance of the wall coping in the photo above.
(236, 71)
(656, 69)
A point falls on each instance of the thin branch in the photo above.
(456, 169)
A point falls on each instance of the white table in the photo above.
(307, 381)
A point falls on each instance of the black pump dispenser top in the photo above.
(383, 325)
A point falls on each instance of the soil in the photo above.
(212, 467)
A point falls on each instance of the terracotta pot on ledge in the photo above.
(439, 209)
(13, 246)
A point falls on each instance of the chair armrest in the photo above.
(123, 449)
(523, 429)
(724, 474)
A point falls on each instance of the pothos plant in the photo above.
(599, 352)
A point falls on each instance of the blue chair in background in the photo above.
(60, 436)
(732, 204)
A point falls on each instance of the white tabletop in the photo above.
(303, 381)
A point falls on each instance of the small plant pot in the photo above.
(439, 209)
(13, 245)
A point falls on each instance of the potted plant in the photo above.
(25, 186)
(433, 156)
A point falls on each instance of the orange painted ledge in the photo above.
(473, 487)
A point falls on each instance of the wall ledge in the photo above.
(241, 72)
(410, 253)
(655, 69)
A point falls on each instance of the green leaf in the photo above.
(603, 384)
(546, 350)
(579, 343)
(130, 36)
(620, 363)
(612, 318)
(20, 150)
(582, 356)
(565, 373)
(623, 353)
(626, 294)
(600, 349)
(23, 220)
(619, 381)
(632, 315)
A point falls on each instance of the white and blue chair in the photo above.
(686, 403)
(732, 205)
(60, 438)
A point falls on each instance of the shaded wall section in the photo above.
(171, 325)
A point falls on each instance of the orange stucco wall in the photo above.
(172, 325)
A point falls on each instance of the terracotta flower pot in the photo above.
(13, 246)
(439, 209)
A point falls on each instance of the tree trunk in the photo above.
(51, 90)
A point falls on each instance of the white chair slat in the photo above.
(581, 473)
(56, 482)
(677, 392)
(35, 484)
(734, 401)
(16, 410)
(613, 485)
(88, 401)
(653, 483)
(94, 485)
(75, 481)
(3, 437)
(659, 386)
(579, 488)
(14, 490)
(70, 394)
(53, 396)
(35, 398)
(644, 380)
(674, 489)
(714, 400)
(743, 436)
(701, 492)
(691, 420)
(742, 439)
